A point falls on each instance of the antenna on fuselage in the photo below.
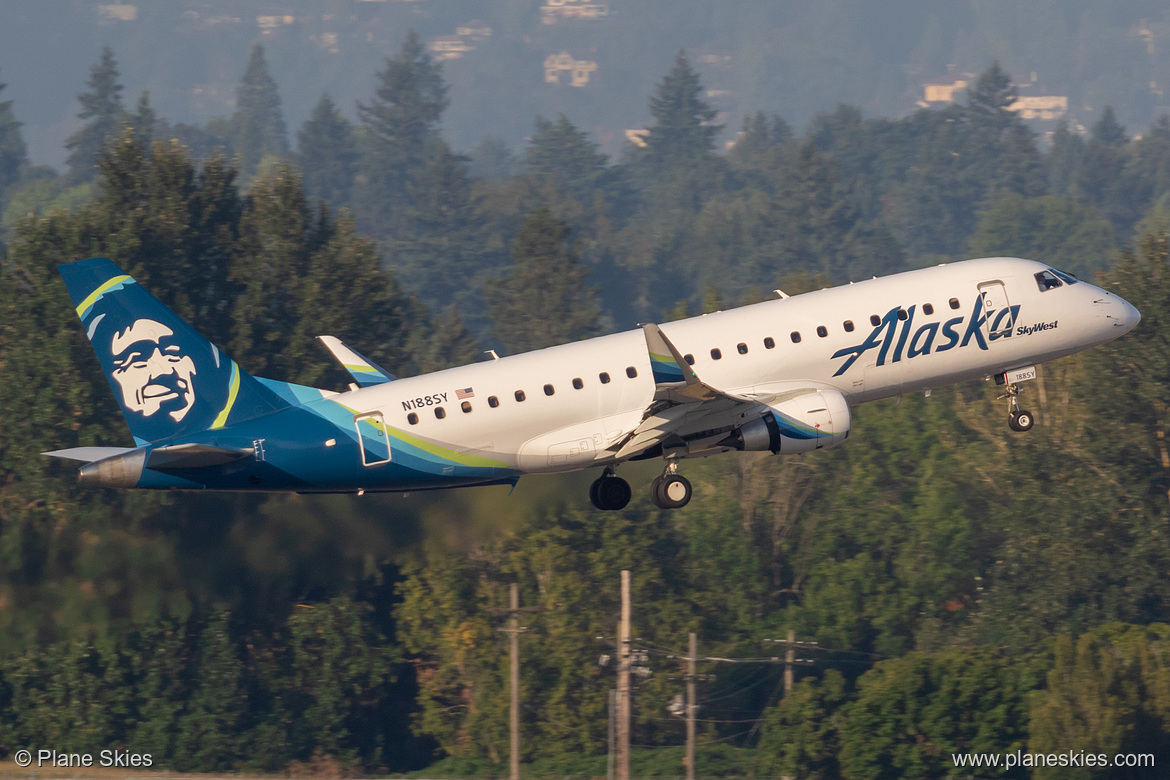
(491, 352)
(781, 293)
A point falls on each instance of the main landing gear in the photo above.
(609, 491)
(670, 491)
(1019, 419)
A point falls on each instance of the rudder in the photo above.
(167, 378)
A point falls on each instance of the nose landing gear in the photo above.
(1018, 419)
(609, 492)
(672, 490)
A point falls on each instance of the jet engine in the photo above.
(809, 421)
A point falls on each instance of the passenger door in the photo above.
(375, 443)
(997, 309)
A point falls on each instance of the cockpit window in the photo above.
(1065, 276)
(1047, 280)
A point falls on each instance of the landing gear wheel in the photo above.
(610, 493)
(1021, 420)
(670, 491)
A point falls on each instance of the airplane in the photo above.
(778, 376)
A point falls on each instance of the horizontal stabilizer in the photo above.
(363, 370)
(87, 454)
(192, 456)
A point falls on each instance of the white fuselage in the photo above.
(931, 342)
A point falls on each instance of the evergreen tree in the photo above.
(492, 160)
(143, 120)
(759, 136)
(400, 124)
(544, 300)
(212, 734)
(1063, 161)
(1021, 167)
(448, 343)
(327, 154)
(1071, 236)
(438, 247)
(559, 151)
(101, 108)
(682, 131)
(988, 100)
(13, 154)
(1102, 178)
(257, 127)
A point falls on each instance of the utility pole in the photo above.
(514, 631)
(789, 660)
(693, 650)
(609, 752)
(623, 686)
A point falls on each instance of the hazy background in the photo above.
(791, 58)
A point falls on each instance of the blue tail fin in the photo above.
(168, 379)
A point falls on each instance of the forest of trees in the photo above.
(974, 589)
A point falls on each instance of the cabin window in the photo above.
(1046, 280)
(822, 331)
(741, 348)
(716, 354)
(875, 320)
(954, 302)
(795, 337)
(412, 418)
(493, 402)
(465, 406)
(903, 314)
(519, 395)
(689, 358)
(848, 325)
(631, 372)
(578, 384)
(927, 308)
(549, 390)
(440, 412)
(603, 378)
(769, 343)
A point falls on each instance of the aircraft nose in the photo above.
(1130, 317)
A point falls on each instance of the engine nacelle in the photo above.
(810, 421)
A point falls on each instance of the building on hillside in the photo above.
(1046, 107)
(448, 47)
(944, 90)
(118, 12)
(638, 137)
(476, 30)
(578, 70)
(554, 10)
(270, 24)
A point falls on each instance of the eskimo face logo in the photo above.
(152, 371)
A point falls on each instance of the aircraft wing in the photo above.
(682, 401)
(363, 370)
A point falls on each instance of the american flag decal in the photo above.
(466, 392)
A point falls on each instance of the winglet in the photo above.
(668, 365)
(363, 370)
(674, 378)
